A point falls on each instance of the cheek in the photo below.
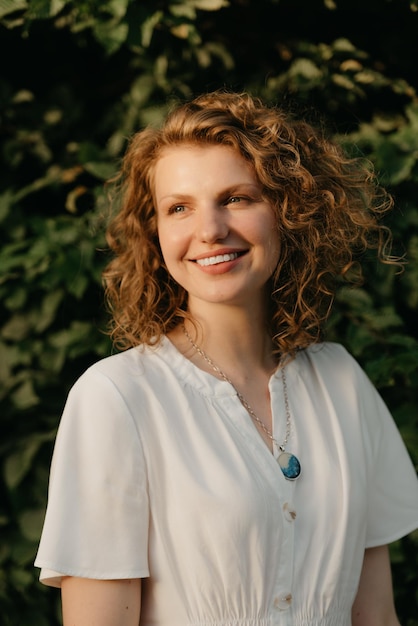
(266, 231)
(275, 244)
(273, 247)
(172, 244)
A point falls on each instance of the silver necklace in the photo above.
(288, 462)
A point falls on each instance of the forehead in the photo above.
(188, 162)
(200, 149)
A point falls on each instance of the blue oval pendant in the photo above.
(289, 464)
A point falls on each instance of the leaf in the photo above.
(407, 140)
(359, 339)
(56, 7)
(397, 166)
(116, 7)
(10, 6)
(6, 202)
(148, 27)
(305, 68)
(214, 49)
(16, 299)
(344, 81)
(209, 5)
(344, 45)
(111, 36)
(412, 114)
(19, 577)
(78, 286)
(25, 397)
(16, 328)
(48, 309)
(188, 32)
(19, 463)
(358, 299)
(39, 9)
(74, 336)
(52, 360)
(182, 31)
(72, 197)
(101, 170)
(383, 318)
(186, 10)
(31, 522)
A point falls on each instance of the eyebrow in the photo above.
(228, 191)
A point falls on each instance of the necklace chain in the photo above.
(281, 447)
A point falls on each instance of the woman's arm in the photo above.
(374, 605)
(87, 602)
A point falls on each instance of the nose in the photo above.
(212, 224)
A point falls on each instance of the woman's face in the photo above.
(217, 233)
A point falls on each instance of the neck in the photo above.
(235, 339)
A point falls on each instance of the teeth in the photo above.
(219, 258)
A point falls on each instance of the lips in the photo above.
(218, 258)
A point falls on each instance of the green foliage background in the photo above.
(77, 78)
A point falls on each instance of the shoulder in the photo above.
(331, 368)
(332, 371)
(127, 364)
(330, 358)
(111, 393)
(122, 374)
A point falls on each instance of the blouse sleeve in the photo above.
(96, 524)
(393, 493)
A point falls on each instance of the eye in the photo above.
(177, 209)
(234, 199)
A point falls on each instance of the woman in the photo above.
(230, 467)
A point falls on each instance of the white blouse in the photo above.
(159, 473)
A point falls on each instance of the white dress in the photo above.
(159, 473)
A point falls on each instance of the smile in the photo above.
(219, 258)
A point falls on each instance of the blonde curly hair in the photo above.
(327, 204)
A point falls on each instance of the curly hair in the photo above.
(327, 205)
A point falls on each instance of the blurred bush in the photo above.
(78, 78)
